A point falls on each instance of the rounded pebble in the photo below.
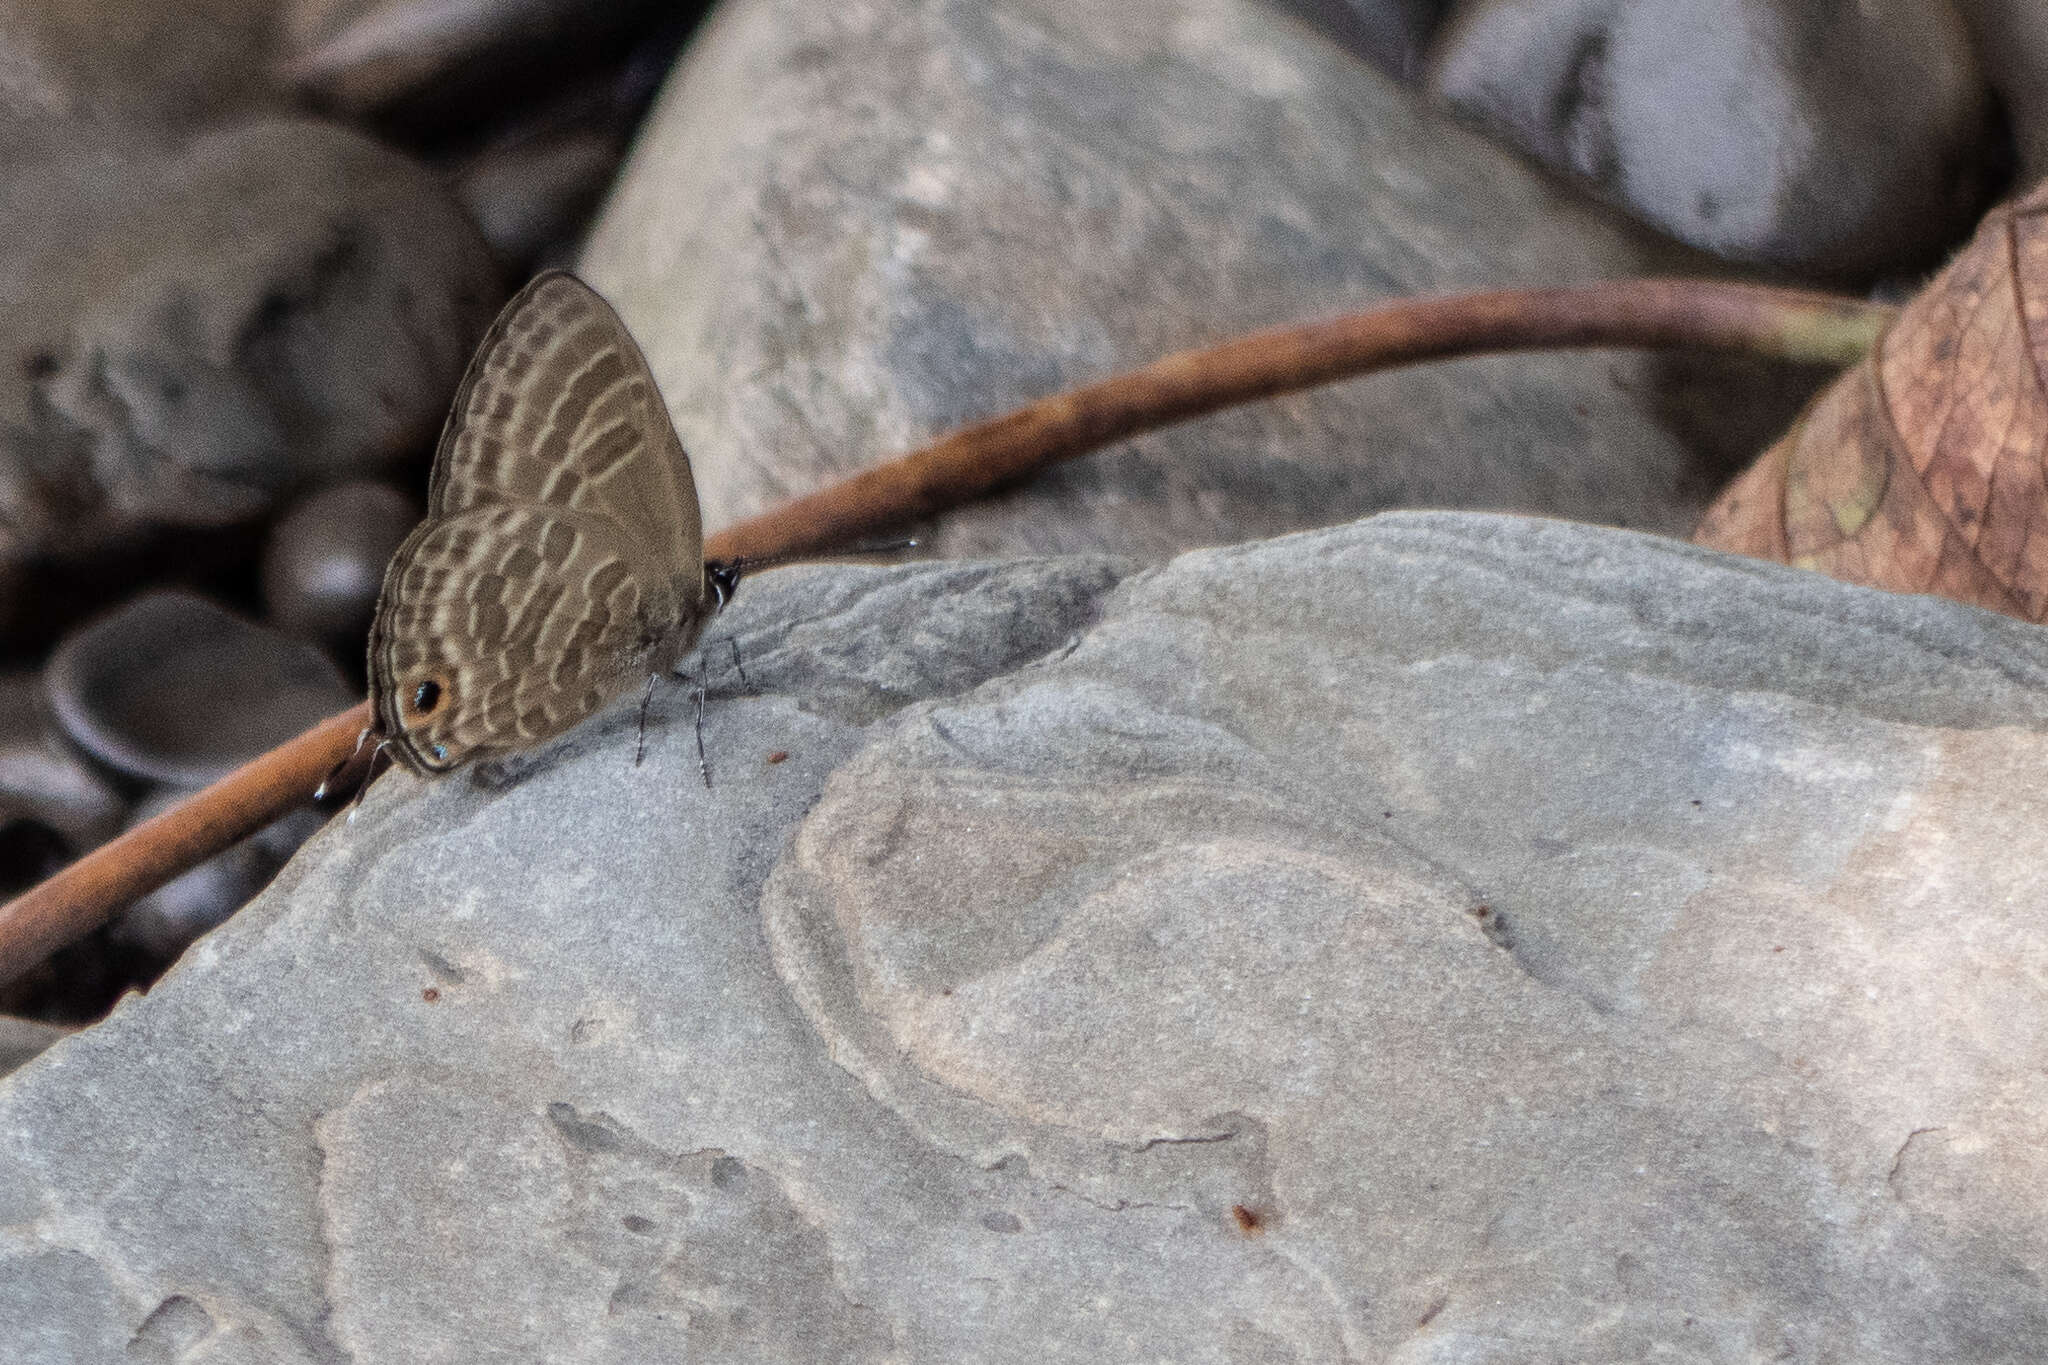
(324, 561)
(53, 807)
(173, 689)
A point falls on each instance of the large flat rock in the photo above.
(1441, 938)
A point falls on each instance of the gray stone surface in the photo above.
(1838, 137)
(22, 1039)
(848, 228)
(1445, 938)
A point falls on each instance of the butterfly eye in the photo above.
(426, 696)
(439, 751)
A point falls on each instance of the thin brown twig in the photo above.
(1788, 324)
(956, 468)
(86, 894)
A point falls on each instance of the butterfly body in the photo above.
(561, 558)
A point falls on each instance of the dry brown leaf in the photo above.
(1921, 469)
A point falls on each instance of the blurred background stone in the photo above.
(2012, 40)
(1393, 33)
(53, 806)
(526, 106)
(194, 335)
(324, 563)
(845, 231)
(432, 61)
(527, 195)
(1845, 138)
(170, 688)
(164, 922)
(155, 66)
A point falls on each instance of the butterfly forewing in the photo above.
(558, 407)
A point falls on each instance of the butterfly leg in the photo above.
(334, 773)
(355, 803)
(732, 643)
(703, 764)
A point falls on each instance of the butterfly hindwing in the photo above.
(507, 624)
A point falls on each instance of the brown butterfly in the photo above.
(561, 558)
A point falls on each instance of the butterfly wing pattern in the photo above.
(562, 552)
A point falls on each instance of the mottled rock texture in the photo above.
(1443, 938)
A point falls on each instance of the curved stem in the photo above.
(1794, 325)
(1791, 324)
(85, 895)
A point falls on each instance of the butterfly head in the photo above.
(415, 715)
(722, 580)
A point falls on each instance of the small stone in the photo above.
(531, 198)
(324, 562)
(358, 56)
(53, 807)
(174, 689)
(1837, 137)
(192, 333)
(165, 921)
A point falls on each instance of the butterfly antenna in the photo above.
(730, 570)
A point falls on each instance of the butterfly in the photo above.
(561, 557)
